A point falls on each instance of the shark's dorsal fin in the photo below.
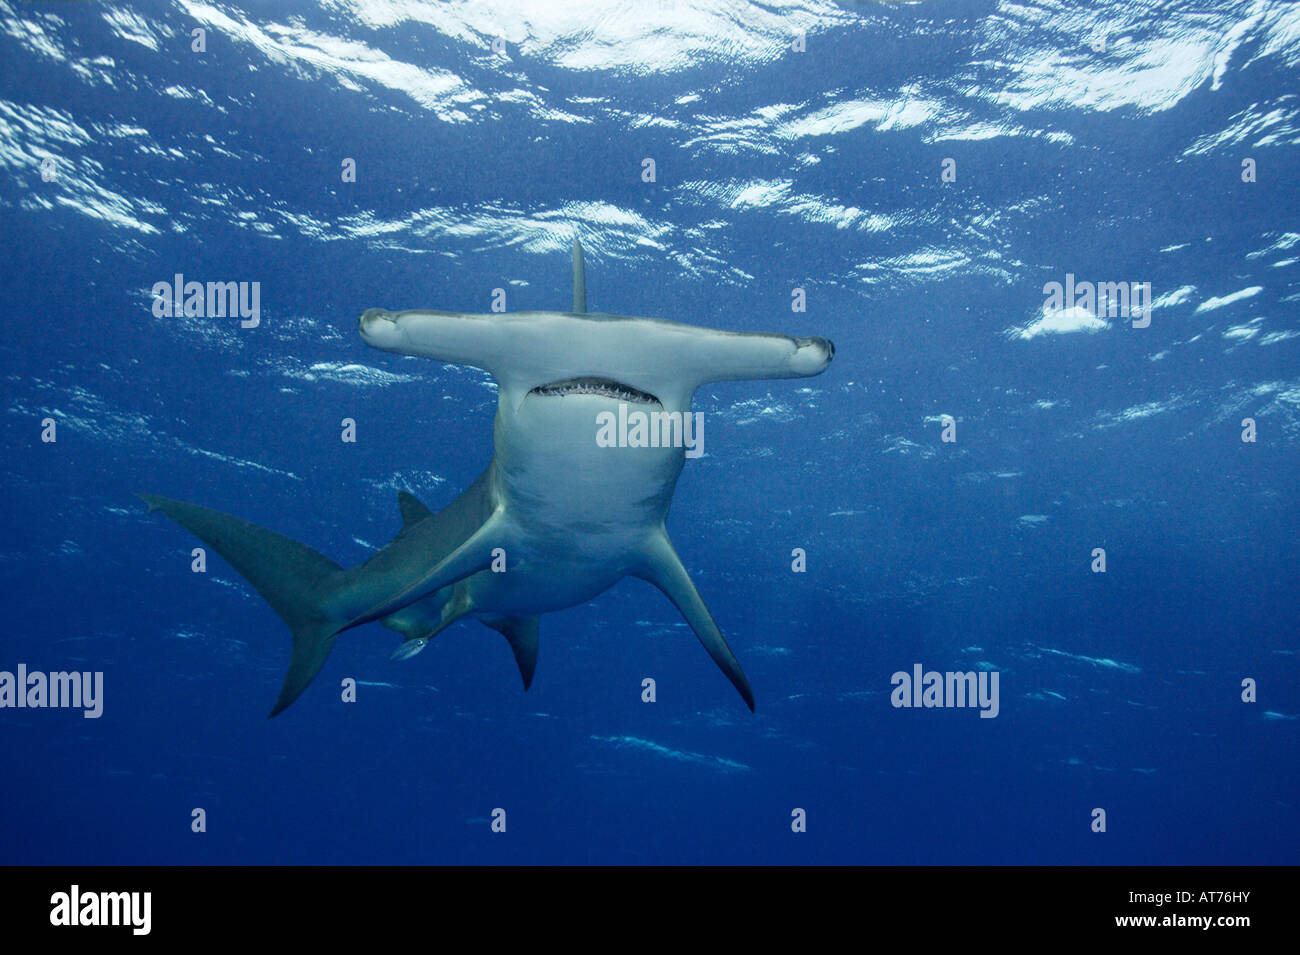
(579, 279)
(412, 510)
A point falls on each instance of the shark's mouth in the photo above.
(604, 387)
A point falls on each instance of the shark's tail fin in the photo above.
(291, 576)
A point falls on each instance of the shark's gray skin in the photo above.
(566, 517)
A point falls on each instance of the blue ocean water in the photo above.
(921, 171)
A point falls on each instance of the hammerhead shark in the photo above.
(557, 518)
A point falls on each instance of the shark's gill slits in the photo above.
(595, 386)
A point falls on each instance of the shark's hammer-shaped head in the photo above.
(555, 354)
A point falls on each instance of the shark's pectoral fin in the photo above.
(469, 558)
(522, 634)
(662, 567)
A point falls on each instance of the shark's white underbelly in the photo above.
(540, 584)
(578, 514)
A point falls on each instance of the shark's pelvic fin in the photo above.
(662, 567)
(522, 634)
(412, 510)
(579, 279)
(423, 620)
(418, 640)
(291, 576)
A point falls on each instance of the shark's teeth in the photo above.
(595, 386)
